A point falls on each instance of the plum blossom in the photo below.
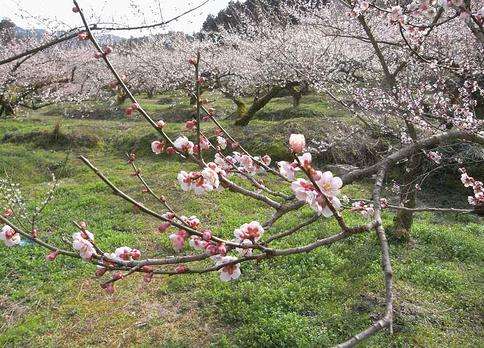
(367, 210)
(200, 182)
(204, 143)
(183, 144)
(305, 160)
(329, 184)
(288, 170)
(230, 271)
(197, 243)
(224, 163)
(191, 221)
(178, 240)
(9, 236)
(191, 124)
(222, 143)
(297, 143)
(266, 159)
(252, 231)
(302, 188)
(247, 163)
(305, 191)
(434, 156)
(157, 146)
(396, 15)
(477, 186)
(245, 251)
(81, 241)
(127, 254)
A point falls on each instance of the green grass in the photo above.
(316, 299)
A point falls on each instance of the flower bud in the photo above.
(8, 213)
(118, 276)
(135, 254)
(207, 235)
(100, 271)
(52, 255)
(164, 226)
(181, 268)
(109, 287)
(297, 143)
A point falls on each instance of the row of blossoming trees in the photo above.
(412, 72)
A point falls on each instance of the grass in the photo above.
(316, 299)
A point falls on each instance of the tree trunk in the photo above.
(296, 99)
(408, 193)
(257, 105)
(6, 109)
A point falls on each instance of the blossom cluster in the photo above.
(201, 182)
(9, 236)
(478, 198)
(367, 209)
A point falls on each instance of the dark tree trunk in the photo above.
(408, 193)
(6, 109)
(257, 105)
(296, 99)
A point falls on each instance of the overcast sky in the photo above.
(57, 14)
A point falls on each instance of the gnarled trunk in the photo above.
(257, 105)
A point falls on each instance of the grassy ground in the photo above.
(317, 299)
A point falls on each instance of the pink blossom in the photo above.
(288, 170)
(84, 246)
(178, 240)
(9, 236)
(305, 160)
(191, 124)
(266, 159)
(124, 253)
(434, 156)
(229, 271)
(52, 255)
(252, 231)
(182, 144)
(302, 188)
(197, 243)
(184, 180)
(8, 213)
(297, 143)
(157, 146)
(245, 251)
(467, 180)
(328, 183)
(191, 221)
(164, 226)
(222, 143)
(204, 143)
(207, 235)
